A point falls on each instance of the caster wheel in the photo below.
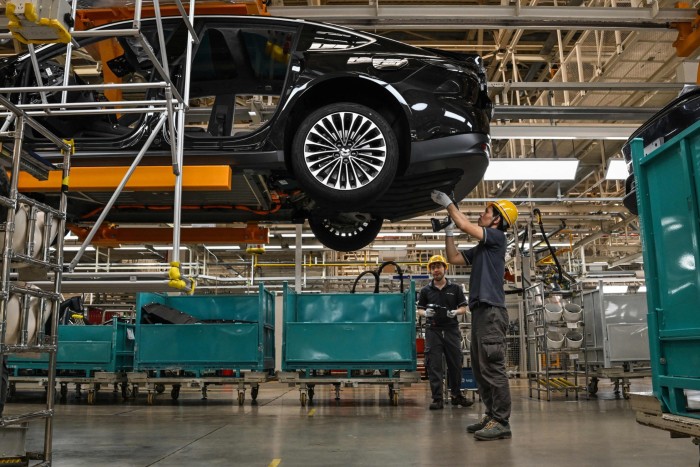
(125, 391)
(175, 392)
(254, 392)
(64, 392)
(241, 397)
(160, 388)
(91, 397)
(302, 399)
(151, 397)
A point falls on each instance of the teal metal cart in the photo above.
(234, 343)
(91, 356)
(349, 339)
(668, 197)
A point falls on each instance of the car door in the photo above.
(237, 82)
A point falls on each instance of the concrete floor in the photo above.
(360, 429)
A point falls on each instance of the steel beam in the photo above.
(146, 178)
(113, 236)
(435, 17)
(587, 86)
(609, 132)
(637, 114)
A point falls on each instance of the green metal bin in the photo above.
(668, 197)
(239, 336)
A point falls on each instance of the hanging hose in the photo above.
(376, 280)
(538, 216)
(398, 269)
(376, 273)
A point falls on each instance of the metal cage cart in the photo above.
(617, 339)
(554, 323)
(232, 342)
(93, 356)
(349, 339)
(27, 324)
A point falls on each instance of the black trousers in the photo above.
(441, 342)
(488, 353)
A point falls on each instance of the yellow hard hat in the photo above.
(507, 211)
(437, 259)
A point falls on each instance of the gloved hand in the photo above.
(451, 313)
(441, 198)
(450, 230)
(429, 312)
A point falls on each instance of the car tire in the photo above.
(344, 170)
(344, 234)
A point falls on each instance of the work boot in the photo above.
(437, 404)
(461, 400)
(493, 430)
(474, 427)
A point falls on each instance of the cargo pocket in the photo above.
(494, 349)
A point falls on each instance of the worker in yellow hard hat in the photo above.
(441, 302)
(487, 305)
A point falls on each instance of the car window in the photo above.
(238, 74)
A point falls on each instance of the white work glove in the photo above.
(450, 230)
(429, 312)
(441, 198)
(451, 313)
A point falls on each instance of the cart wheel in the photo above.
(593, 386)
(64, 391)
(254, 392)
(91, 397)
(302, 398)
(311, 392)
(125, 391)
(151, 396)
(241, 397)
(175, 392)
(12, 390)
(626, 391)
(395, 398)
(160, 388)
(134, 391)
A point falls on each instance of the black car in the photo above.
(675, 117)
(318, 122)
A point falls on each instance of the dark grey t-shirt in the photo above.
(488, 261)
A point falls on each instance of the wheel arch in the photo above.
(356, 90)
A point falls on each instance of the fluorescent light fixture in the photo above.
(466, 245)
(77, 248)
(617, 170)
(394, 234)
(390, 247)
(614, 289)
(429, 246)
(272, 247)
(70, 236)
(642, 289)
(531, 169)
(312, 247)
(293, 235)
(222, 247)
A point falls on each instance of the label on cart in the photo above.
(572, 325)
(130, 334)
(573, 356)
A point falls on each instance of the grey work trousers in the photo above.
(488, 354)
(447, 341)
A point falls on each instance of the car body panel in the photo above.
(254, 79)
